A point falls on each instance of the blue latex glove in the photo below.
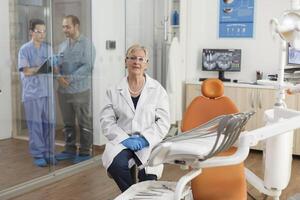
(132, 143)
(143, 141)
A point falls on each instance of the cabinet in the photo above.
(251, 97)
(171, 19)
(293, 102)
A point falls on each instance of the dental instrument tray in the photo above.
(202, 142)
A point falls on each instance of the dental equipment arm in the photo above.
(202, 142)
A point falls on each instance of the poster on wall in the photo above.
(236, 18)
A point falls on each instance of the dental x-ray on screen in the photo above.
(221, 59)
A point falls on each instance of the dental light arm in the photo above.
(289, 28)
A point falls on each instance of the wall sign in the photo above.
(236, 18)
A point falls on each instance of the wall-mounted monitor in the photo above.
(221, 60)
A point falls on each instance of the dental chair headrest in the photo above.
(212, 88)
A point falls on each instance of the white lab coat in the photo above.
(118, 119)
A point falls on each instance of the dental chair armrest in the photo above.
(184, 155)
(183, 181)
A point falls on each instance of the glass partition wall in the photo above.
(32, 137)
(68, 86)
(52, 58)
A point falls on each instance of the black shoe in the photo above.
(81, 158)
(65, 156)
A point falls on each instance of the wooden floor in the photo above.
(254, 163)
(18, 166)
(94, 184)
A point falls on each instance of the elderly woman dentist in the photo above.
(134, 119)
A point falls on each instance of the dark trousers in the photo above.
(77, 106)
(120, 171)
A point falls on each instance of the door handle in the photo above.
(252, 100)
(166, 19)
(259, 100)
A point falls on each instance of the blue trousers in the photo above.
(40, 124)
(120, 171)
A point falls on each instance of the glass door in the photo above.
(52, 58)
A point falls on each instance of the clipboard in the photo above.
(46, 67)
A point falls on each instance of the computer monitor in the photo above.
(293, 57)
(221, 60)
(292, 68)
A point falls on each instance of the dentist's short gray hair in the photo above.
(136, 47)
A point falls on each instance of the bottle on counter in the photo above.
(175, 18)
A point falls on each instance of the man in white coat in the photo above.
(134, 119)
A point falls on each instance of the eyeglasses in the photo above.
(39, 31)
(137, 58)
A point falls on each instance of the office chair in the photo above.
(216, 183)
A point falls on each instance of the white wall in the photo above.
(108, 23)
(258, 53)
(5, 81)
(139, 27)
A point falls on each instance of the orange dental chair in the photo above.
(216, 183)
(211, 125)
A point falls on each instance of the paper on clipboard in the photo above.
(46, 67)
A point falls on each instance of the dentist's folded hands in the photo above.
(143, 141)
(135, 142)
